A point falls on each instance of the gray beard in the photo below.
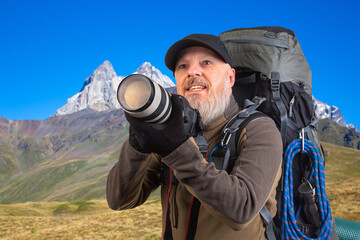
(213, 108)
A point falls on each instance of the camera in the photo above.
(143, 98)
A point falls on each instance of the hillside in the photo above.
(331, 132)
(62, 158)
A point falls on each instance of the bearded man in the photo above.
(204, 202)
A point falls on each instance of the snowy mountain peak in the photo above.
(150, 71)
(99, 89)
(146, 65)
(324, 111)
(104, 72)
(98, 92)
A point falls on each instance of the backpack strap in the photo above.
(230, 140)
(269, 222)
(275, 89)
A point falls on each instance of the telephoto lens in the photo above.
(144, 99)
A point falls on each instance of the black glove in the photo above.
(159, 138)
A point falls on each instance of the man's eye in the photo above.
(206, 62)
(182, 66)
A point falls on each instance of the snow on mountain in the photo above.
(150, 71)
(324, 111)
(98, 92)
(99, 89)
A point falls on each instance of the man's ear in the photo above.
(231, 77)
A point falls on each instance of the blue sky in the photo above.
(48, 48)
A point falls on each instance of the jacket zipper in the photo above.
(291, 103)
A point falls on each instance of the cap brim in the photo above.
(175, 50)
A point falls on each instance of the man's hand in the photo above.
(159, 138)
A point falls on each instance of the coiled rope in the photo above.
(289, 228)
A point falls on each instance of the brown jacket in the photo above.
(230, 203)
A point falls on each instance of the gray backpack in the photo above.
(274, 78)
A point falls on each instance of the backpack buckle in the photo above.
(228, 132)
(275, 81)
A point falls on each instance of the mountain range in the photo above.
(333, 113)
(68, 155)
(99, 92)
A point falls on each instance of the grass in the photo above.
(342, 171)
(73, 207)
(65, 220)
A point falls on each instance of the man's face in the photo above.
(205, 80)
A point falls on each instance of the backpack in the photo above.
(273, 79)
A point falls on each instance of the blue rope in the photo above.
(289, 228)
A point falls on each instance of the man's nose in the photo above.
(194, 70)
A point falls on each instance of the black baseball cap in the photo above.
(209, 41)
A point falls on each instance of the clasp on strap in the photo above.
(302, 137)
(228, 132)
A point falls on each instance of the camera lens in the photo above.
(143, 98)
(134, 93)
